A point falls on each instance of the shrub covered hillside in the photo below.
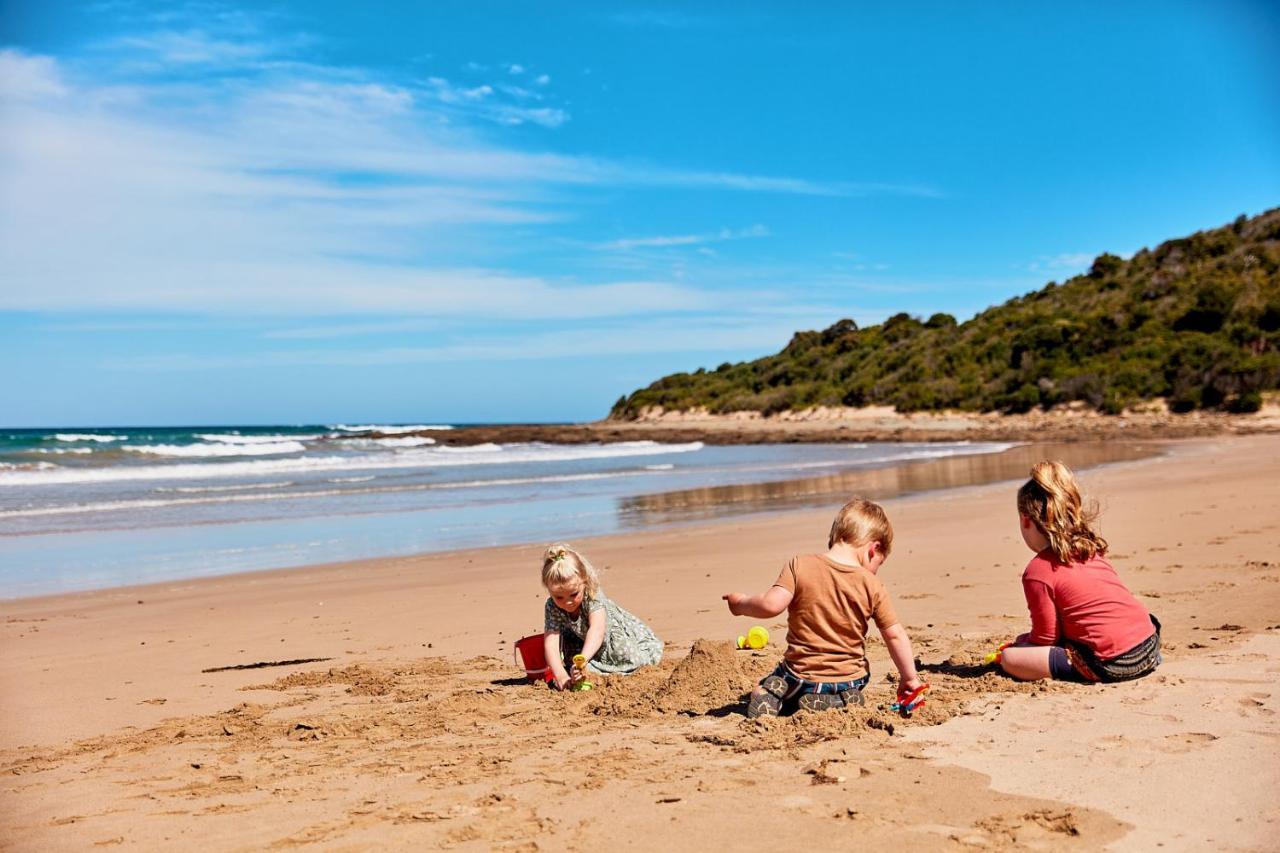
(1195, 321)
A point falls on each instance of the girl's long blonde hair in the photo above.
(561, 564)
(1051, 499)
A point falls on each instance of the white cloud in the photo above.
(478, 101)
(515, 68)
(29, 78)
(543, 79)
(1071, 260)
(1065, 261)
(304, 190)
(664, 241)
(195, 47)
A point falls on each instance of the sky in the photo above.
(324, 212)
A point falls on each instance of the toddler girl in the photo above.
(1085, 624)
(581, 619)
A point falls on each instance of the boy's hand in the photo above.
(735, 600)
(907, 685)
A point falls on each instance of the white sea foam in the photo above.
(209, 450)
(666, 467)
(388, 429)
(86, 436)
(406, 441)
(24, 466)
(157, 503)
(194, 490)
(422, 457)
(80, 451)
(237, 438)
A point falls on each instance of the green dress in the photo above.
(628, 642)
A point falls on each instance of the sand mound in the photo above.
(714, 676)
(711, 679)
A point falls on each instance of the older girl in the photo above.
(581, 619)
(1085, 623)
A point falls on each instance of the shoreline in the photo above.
(418, 732)
(679, 508)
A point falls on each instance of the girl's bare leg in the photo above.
(1026, 663)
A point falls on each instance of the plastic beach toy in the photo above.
(909, 701)
(994, 657)
(579, 674)
(532, 656)
(757, 638)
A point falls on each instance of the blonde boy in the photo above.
(830, 599)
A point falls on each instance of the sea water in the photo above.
(90, 508)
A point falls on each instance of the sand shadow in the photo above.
(511, 682)
(962, 670)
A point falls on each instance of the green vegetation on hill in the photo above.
(1195, 321)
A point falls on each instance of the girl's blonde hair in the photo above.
(561, 564)
(1051, 499)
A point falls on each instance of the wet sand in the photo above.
(417, 732)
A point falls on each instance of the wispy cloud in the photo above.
(195, 47)
(1065, 261)
(629, 243)
(268, 185)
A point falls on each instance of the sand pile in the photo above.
(714, 676)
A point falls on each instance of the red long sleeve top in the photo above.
(1086, 603)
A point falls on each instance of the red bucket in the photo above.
(533, 655)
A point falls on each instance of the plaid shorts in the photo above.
(797, 686)
(1075, 662)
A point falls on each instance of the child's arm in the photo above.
(597, 623)
(551, 647)
(766, 605)
(1044, 614)
(895, 637)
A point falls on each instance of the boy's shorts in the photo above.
(797, 686)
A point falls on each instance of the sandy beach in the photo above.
(411, 728)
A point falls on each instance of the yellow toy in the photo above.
(578, 677)
(757, 638)
(994, 657)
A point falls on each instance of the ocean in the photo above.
(92, 508)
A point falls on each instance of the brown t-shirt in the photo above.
(827, 619)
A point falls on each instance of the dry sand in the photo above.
(417, 733)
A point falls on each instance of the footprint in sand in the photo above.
(1187, 741)
(1024, 829)
(1255, 704)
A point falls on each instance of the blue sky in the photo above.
(325, 212)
